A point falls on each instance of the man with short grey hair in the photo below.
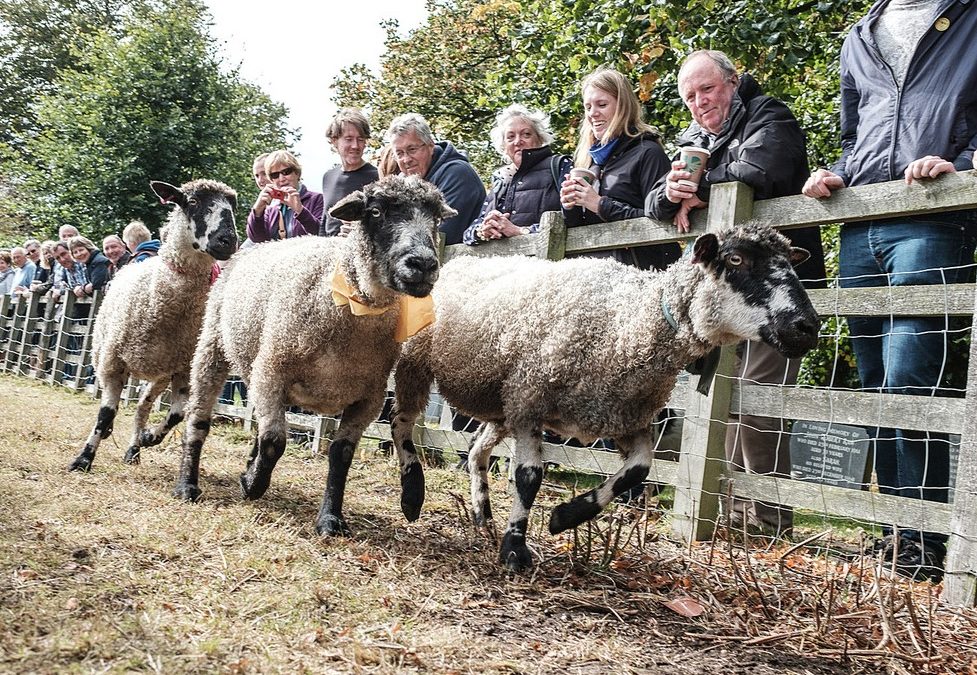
(66, 232)
(442, 164)
(25, 273)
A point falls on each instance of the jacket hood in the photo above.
(746, 91)
(445, 154)
(151, 245)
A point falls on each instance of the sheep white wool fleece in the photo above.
(592, 349)
(148, 323)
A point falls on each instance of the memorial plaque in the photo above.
(833, 454)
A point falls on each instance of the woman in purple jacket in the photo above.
(285, 208)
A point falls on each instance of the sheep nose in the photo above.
(421, 267)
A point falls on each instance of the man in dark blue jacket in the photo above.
(441, 164)
(909, 110)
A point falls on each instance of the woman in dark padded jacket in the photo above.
(529, 183)
(628, 158)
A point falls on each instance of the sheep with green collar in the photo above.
(590, 348)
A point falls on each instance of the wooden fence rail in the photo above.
(700, 475)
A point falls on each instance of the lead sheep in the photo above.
(274, 316)
(591, 349)
(147, 326)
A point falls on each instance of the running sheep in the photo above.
(591, 349)
(148, 324)
(313, 322)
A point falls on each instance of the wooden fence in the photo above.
(700, 476)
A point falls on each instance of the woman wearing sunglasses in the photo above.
(285, 208)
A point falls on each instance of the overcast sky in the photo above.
(293, 50)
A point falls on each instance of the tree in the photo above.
(151, 104)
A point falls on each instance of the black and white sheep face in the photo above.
(399, 218)
(208, 207)
(759, 296)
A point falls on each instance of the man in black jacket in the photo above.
(756, 140)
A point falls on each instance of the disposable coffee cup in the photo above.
(695, 162)
(586, 174)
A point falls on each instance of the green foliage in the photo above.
(148, 103)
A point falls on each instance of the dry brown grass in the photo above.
(106, 572)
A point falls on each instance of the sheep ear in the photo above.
(350, 207)
(168, 193)
(798, 255)
(447, 211)
(705, 248)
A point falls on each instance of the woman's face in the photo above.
(599, 107)
(282, 175)
(519, 134)
(81, 254)
(3, 265)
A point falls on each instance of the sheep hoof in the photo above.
(132, 455)
(254, 484)
(148, 438)
(412, 491)
(482, 518)
(332, 526)
(82, 462)
(187, 492)
(515, 555)
(570, 514)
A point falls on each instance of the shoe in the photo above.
(912, 560)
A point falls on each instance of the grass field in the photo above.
(106, 572)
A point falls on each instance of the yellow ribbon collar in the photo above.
(415, 313)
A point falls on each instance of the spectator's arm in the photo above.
(653, 166)
(257, 228)
(470, 236)
(308, 221)
(462, 189)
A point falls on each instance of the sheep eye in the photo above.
(193, 201)
(735, 260)
(375, 212)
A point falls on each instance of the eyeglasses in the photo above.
(287, 171)
(32, 251)
(409, 150)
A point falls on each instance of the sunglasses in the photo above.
(287, 171)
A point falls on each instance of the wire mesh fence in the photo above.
(829, 440)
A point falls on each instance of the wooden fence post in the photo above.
(961, 562)
(552, 238)
(702, 462)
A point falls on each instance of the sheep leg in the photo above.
(268, 448)
(488, 437)
(638, 451)
(514, 553)
(112, 384)
(179, 393)
(209, 371)
(356, 417)
(150, 390)
(413, 387)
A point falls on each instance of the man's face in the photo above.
(112, 249)
(707, 93)
(66, 232)
(63, 256)
(19, 257)
(258, 171)
(34, 252)
(413, 156)
(350, 146)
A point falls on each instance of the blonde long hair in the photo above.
(627, 120)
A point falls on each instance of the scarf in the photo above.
(415, 313)
(599, 153)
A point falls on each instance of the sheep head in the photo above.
(398, 223)
(752, 291)
(208, 214)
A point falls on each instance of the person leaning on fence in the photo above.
(96, 266)
(7, 273)
(25, 270)
(908, 110)
(627, 156)
(348, 133)
(527, 185)
(139, 240)
(296, 214)
(114, 249)
(439, 163)
(47, 269)
(754, 139)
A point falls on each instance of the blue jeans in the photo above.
(907, 355)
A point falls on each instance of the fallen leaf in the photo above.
(686, 606)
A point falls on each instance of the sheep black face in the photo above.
(209, 210)
(399, 218)
(767, 301)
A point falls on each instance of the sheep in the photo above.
(274, 318)
(148, 324)
(592, 349)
